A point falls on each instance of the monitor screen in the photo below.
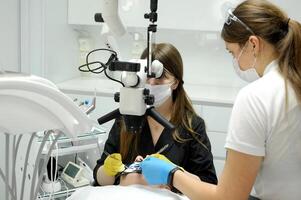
(71, 170)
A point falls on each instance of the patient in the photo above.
(134, 192)
(188, 145)
(136, 178)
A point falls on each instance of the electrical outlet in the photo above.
(84, 44)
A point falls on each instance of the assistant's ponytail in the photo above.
(290, 56)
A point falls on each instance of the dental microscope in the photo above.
(135, 101)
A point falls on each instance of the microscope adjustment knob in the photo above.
(146, 92)
(149, 100)
(117, 97)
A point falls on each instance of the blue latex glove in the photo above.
(156, 171)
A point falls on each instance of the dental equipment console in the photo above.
(134, 99)
(73, 174)
(28, 105)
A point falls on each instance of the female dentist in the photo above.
(264, 136)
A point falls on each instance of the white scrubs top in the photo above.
(262, 124)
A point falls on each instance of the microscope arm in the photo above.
(110, 116)
(139, 119)
(159, 118)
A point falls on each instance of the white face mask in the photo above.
(160, 92)
(248, 75)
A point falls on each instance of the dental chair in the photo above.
(30, 104)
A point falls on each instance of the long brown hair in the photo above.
(182, 112)
(271, 24)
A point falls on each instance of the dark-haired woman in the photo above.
(188, 146)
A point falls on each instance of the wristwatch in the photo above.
(171, 174)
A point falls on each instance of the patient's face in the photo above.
(132, 178)
(136, 178)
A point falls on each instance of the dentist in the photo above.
(188, 146)
(264, 136)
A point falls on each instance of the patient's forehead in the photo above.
(132, 178)
(138, 179)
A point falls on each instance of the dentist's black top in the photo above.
(194, 156)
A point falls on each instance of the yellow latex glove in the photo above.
(113, 164)
(162, 157)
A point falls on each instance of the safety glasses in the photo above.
(231, 17)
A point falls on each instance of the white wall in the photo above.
(204, 56)
(61, 48)
(10, 35)
(52, 42)
(56, 52)
(291, 7)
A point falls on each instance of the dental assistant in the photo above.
(264, 136)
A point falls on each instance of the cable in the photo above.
(5, 181)
(80, 68)
(35, 173)
(35, 193)
(102, 49)
(105, 71)
(75, 157)
(7, 164)
(103, 67)
(114, 56)
(25, 165)
(51, 177)
(57, 160)
(14, 167)
(95, 70)
(5, 177)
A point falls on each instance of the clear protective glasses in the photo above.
(231, 17)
